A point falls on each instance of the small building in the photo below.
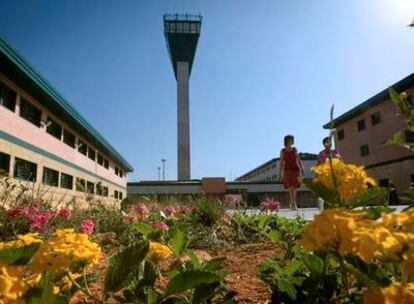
(362, 131)
(45, 142)
(268, 171)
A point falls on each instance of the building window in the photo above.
(80, 184)
(364, 150)
(100, 160)
(90, 187)
(54, 129)
(409, 136)
(4, 164)
(68, 138)
(30, 112)
(25, 170)
(375, 118)
(98, 189)
(116, 194)
(341, 134)
(50, 177)
(106, 163)
(361, 125)
(66, 181)
(82, 147)
(7, 97)
(384, 182)
(91, 153)
(410, 100)
(105, 191)
(120, 195)
(121, 173)
(116, 170)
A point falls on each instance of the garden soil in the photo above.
(241, 265)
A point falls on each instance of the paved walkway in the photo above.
(307, 213)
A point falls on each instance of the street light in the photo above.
(163, 168)
(159, 173)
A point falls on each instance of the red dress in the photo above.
(291, 170)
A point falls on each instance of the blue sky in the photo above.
(262, 69)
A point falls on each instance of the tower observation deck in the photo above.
(181, 34)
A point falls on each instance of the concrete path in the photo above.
(307, 213)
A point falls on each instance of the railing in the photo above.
(183, 17)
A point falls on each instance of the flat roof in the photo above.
(23, 73)
(382, 96)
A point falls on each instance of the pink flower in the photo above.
(141, 208)
(87, 226)
(39, 221)
(161, 226)
(17, 212)
(35, 207)
(233, 198)
(169, 210)
(225, 221)
(131, 218)
(269, 204)
(65, 213)
(142, 217)
(186, 209)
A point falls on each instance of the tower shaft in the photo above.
(183, 121)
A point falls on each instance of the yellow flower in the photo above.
(158, 252)
(396, 293)
(380, 242)
(350, 179)
(402, 221)
(65, 250)
(12, 286)
(22, 241)
(332, 230)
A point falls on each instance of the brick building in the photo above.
(362, 131)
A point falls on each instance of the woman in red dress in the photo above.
(290, 169)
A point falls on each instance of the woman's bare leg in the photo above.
(295, 206)
(291, 198)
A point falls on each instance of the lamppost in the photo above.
(163, 168)
(159, 173)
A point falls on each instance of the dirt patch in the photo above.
(243, 274)
(241, 264)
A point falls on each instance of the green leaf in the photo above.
(293, 267)
(375, 212)
(377, 196)
(286, 287)
(263, 222)
(43, 292)
(122, 264)
(397, 139)
(179, 243)
(194, 260)
(329, 196)
(213, 264)
(188, 280)
(314, 264)
(152, 296)
(274, 236)
(363, 278)
(143, 228)
(149, 276)
(18, 256)
(204, 291)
